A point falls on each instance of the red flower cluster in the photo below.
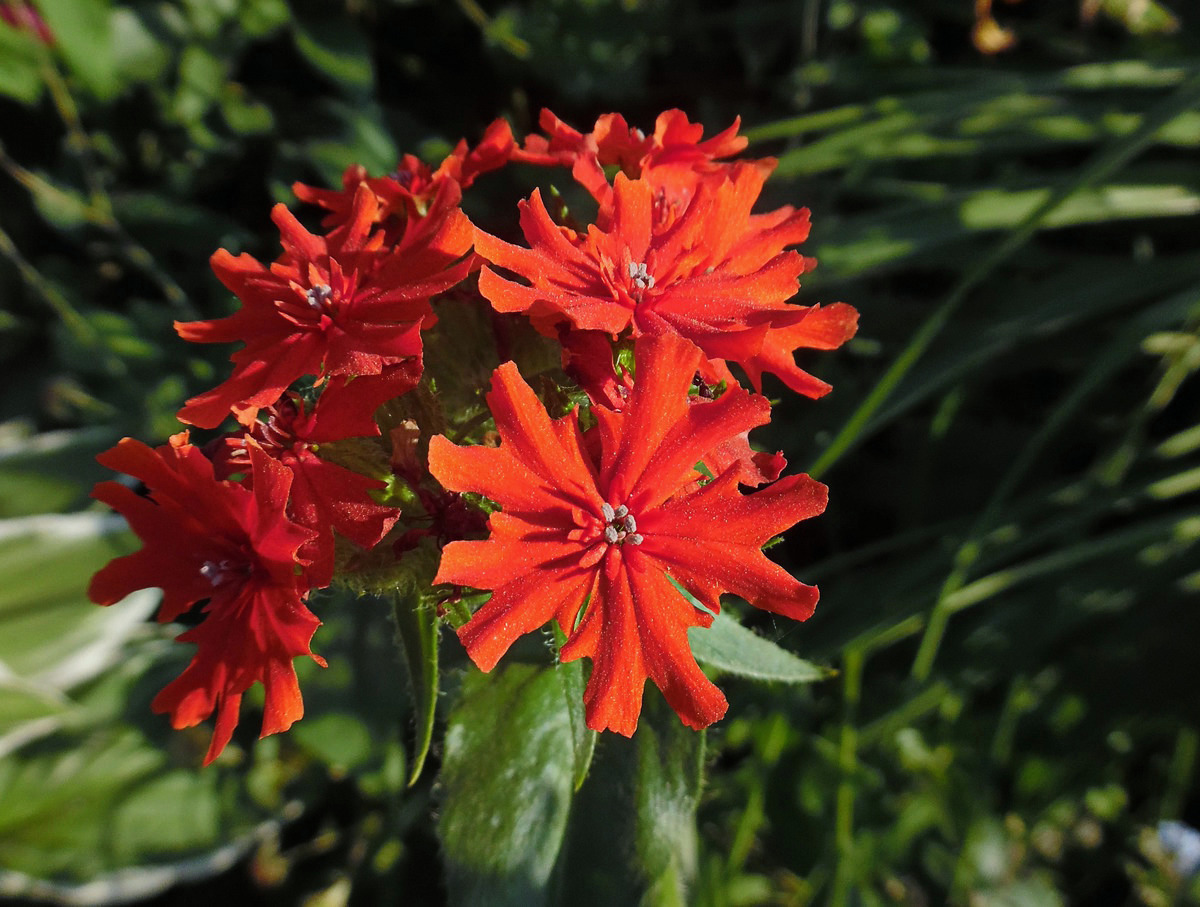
(603, 518)
(232, 546)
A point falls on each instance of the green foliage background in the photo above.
(1009, 560)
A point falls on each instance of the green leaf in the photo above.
(61, 206)
(583, 739)
(171, 814)
(244, 114)
(360, 140)
(417, 632)
(507, 776)
(339, 740)
(52, 471)
(632, 836)
(260, 17)
(49, 632)
(55, 808)
(201, 76)
(19, 76)
(670, 762)
(140, 56)
(338, 49)
(83, 34)
(728, 646)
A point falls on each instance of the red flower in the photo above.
(414, 189)
(673, 158)
(716, 274)
(606, 534)
(205, 539)
(324, 495)
(343, 305)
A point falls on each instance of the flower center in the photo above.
(318, 297)
(620, 525)
(220, 572)
(639, 279)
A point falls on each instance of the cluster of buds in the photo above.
(358, 457)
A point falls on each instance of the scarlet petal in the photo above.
(253, 638)
(526, 431)
(505, 558)
(351, 303)
(608, 635)
(666, 364)
(492, 472)
(521, 607)
(664, 617)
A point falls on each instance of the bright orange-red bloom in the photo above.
(606, 533)
(205, 539)
(344, 305)
(324, 496)
(415, 189)
(715, 274)
(672, 159)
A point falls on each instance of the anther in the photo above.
(640, 277)
(215, 573)
(620, 525)
(319, 295)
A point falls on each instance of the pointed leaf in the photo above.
(633, 824)
(728, 646)
(83, 34)
(49, 632)
(19, 76)
(507, 776)
(670, 762)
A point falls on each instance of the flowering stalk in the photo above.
(352, 461)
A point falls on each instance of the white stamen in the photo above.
(620, 525)
(318, 296)
(215, 572)
(639, 277)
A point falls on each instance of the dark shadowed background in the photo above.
(1008, 564)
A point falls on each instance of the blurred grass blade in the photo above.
(1102, 164)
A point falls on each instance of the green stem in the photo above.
(78, 326)
(518, 47)
(1179, 775)
(99, 210)
(847, 768)
(417, 628)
